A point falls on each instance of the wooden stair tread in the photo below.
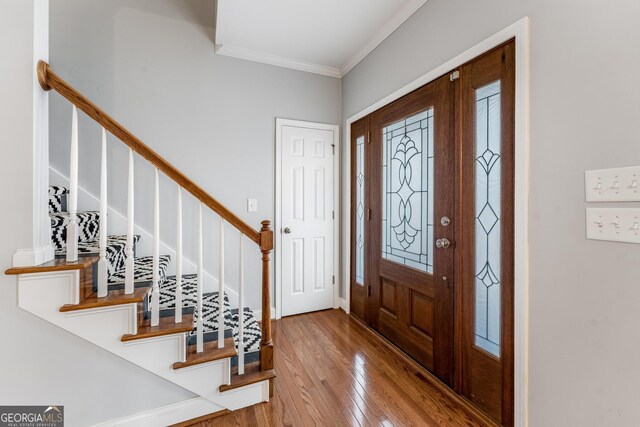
(166, 326)
(117, 297)
(57, 264)
(210, 353)
(252, 375)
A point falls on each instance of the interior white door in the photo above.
(307, 219)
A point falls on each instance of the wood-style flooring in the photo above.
(333, 371)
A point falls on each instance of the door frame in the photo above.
(520, 32)
(280, 123)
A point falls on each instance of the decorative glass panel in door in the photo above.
(359, 219)
(407, 191)
(487, 222)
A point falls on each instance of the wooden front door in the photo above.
(432, 227)
(410, 206)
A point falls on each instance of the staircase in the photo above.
(98, 288)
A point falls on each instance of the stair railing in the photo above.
(264, 238)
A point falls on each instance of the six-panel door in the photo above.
(307, 219)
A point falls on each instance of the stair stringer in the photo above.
(42, 294)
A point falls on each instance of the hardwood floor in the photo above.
(332, 371)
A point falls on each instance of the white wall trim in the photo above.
(257, 313)
(338, 72)
(280, 122)
(279, 61)
(519, 31)
(33, 256)
(385, 31)
(42, 250)
(166, 415)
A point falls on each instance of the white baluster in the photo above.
(178, 302)
(102, 264)
(241, 311)
(199, 332)
(221, 289)
(72, 227)
(155, 291)
(129, 262)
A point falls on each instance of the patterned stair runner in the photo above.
(116, 250)
(57, 199)
(89, 244)
(252, 333)
(88, 227)
(143, 270)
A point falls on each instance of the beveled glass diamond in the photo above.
(487, 218)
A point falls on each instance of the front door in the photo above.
(307, 216)
(432, 243)
(411, 203)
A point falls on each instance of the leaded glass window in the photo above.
(407, 191)
(360, 210)
(487, 222)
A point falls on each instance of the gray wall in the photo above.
(40, 363)
(585, 110)
(151, 65)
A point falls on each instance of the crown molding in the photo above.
(280, 61)
(385, 31)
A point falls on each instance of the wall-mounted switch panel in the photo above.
(252, 205)
(614, 224)
(613, 185)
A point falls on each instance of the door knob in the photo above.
(443, 243)
(287, 230)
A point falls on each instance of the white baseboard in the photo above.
(258, 314)
(344, 305)
(33, 256)
(167, 415)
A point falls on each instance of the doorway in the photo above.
(432, 227)
(305, 229)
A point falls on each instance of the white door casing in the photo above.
(305, 217)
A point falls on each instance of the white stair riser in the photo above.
(233, 399)
(44, 293)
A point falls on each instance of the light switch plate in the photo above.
(614, 224)
(252, 205)
(613, 185)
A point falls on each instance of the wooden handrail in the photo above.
(49, 80)
(264, 238)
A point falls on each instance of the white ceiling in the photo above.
(320, 36)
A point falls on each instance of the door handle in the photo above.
(443, 243)
(287, 230)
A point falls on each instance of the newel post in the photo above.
(266, 346)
